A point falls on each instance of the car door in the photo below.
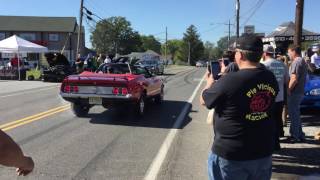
(153, 84)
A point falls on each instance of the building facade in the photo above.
(55, 33)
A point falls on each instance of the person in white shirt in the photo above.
(108, 59)
(315, 58)
(280, 71)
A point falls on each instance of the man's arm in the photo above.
(293, 82)
(294, 75)
(11, 155)
(212, 93)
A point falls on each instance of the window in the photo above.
(28, 36)
(53, 37)
(2, 36)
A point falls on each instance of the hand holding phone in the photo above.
(214, 69)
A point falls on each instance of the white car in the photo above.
(201, 64)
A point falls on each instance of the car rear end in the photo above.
(90, 90)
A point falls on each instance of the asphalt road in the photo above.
(106, 145)
(113, 145)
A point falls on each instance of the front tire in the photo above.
(80, 110)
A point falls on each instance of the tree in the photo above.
(192, 42)
(209, 51)
(115, 35)
(172, 47)
(223, 42)
(150, 43)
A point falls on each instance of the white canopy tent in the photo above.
(15, 44)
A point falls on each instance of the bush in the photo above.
(36, 74)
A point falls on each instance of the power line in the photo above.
(91, 13)
(90, 25)
(97, 9)
(256, 7)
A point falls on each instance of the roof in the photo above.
(37, 23)
(285, 32)
(17, 44)
(288, 29)
(141, 55)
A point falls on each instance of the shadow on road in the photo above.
(169, 74)
(157, 116)
(298, 161)
(310, 117)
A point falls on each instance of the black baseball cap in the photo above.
(249, 43)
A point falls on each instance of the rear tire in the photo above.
(159, 98)
(80, 110)
(141, 106)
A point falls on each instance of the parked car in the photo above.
(59, 68)
(154, 66)
(112, 86)
(312, 90)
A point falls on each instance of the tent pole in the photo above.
(19, 66)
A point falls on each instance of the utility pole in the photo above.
(299, 22)
(189, 54)
(238, 17)
(80, 28)
(229, 30)
(166, 46)
(229, 34)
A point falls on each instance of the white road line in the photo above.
(155, 166)
(28, 91)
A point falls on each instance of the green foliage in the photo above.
(115, 35)
(35, 73)
(172, 48)
(150, 43)
(222, 44)
(191, 40)
(210, 51)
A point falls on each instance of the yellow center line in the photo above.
(20, 122)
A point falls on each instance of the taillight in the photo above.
(124, 91)
(75, 89)
(115, 91)
(67, 89)
(70, 89)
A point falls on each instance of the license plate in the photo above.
(95, 100)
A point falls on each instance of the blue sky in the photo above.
(152, 16)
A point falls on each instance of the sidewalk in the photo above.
(300, 161)
(187, 158)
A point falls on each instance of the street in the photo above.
(114, 145)
(107, 145)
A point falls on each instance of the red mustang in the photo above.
(112, 85)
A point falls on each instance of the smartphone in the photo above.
(214, 69)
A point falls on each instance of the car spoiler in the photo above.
(79, 78)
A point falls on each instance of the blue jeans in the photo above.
(222, 169)
(294, 101)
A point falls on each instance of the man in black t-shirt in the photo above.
(244, 133)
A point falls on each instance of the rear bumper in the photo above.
(107, 100)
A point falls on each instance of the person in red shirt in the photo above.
(14, 61)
